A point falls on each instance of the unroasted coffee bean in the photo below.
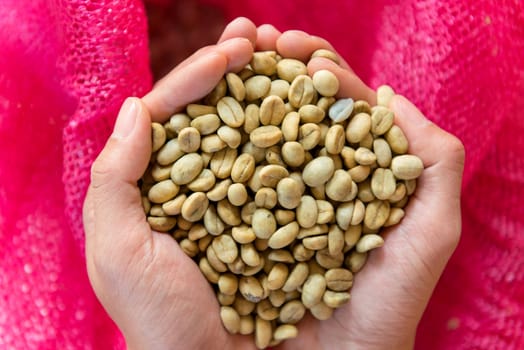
(194, 207)
(383, 183)
(313, 290)
(289, 68)
(257, 87)
(236, 86)
(335, 299)
(407, 167)
(292, 312)
(307, 212)
(230, 112)
(284, 236)
(272, 111)
(358, 127)
(203, 182)
(186, 168)
(318, 171)
(340, 187)
(206, 124)
(263, 333)
(384, 95)
(225, 248)
(377, 212)
(369, 242)
(341, 110)
(285, 331)
(339, 279)
(250, 289)
(230, 319)
(289, 193)
(263, 223)
(290, 125)
(195, 110)
(163, 191)
(158, 136)
(325, 82)
(397, 140)
(161, 224)
(265, 136)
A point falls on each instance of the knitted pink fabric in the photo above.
(67, 65)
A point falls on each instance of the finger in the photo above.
(240, 27)
(267, 37)
(439, 151)
(350, 83)
(196, 77)
(300, 45)
(113, 209)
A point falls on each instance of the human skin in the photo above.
(157, 295)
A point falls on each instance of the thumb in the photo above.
(112, 209)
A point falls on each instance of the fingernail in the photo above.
(126, 120)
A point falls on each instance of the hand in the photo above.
(152, 290)
(157, 295)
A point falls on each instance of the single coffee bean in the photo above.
(369, 242)
(169, 152)
(230, 112)
(309, 136)
(189, 140)
(335, 139)
(285, 331)
(272, 111)
(310, 113)
(194, 207)
(384, 95)
(222, 162)
(284, 236)
(377, 212)
(161, 224)
(263, 63)
(203, 182)
(195, 110)
(301, 91)
(289, 68)
(292, 312)
(293, 153)
(325, 82)
(339, 279)
(225, 247)
(237, 194)
(265, 136)
(228, 284)
(158, 135)
(307, 212)
(266, 197)
(163, 191)
(341, 187)
(341, 110)
(257, 87)
(397, 140)
(230, 319)
(289, 193)
(277, 276)
(263, 333)
(313, 290)
(407, 167)
(290, 125)
(263, 223)
(335, 299)
(266, 310)
(247, 325)
(250, 289)
(186, 168)
(280, 88)
(212, 221)
(236, 86)
(383, 183)
(318, 171)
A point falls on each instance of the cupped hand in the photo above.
(157, 295)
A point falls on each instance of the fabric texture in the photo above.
(67, 65)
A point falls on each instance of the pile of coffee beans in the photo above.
(278, 190)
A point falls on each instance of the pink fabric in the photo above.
(66, 66)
